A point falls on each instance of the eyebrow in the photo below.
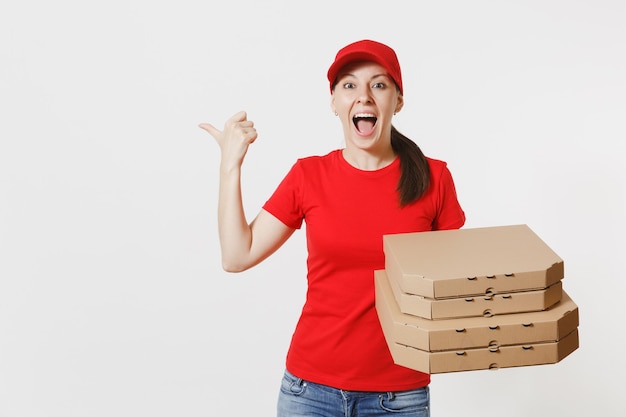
(349, 74)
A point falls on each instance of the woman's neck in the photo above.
(367, 160)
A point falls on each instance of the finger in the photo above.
(246, 124)
(211, 129)
(238, 117)
(252, 135)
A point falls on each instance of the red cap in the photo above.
(367, 50)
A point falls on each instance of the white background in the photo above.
(112, 298)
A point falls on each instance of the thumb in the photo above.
(211, 129)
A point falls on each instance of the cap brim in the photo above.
(350, 58)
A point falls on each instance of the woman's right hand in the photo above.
(238, 134)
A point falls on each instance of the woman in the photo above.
(338, 362)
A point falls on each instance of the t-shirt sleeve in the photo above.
(450, 215)
(286, 202)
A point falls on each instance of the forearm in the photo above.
(235, 233)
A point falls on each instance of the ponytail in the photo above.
(415, 171)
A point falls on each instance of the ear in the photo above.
(399, 104)
(332, 103)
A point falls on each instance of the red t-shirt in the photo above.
(338, 340)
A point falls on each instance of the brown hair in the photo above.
(415, 171)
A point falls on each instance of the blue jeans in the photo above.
(299, 398)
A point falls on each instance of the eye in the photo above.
(348, 85)
(378, 85)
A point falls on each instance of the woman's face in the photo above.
(365, 98)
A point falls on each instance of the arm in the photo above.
(450, 213)
(243, 245)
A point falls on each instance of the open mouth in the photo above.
(364, 122)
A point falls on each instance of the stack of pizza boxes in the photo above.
(473, 299)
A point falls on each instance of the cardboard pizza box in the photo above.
(474, 306)
(494, 357)
(471, 262)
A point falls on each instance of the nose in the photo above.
(364, 94)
